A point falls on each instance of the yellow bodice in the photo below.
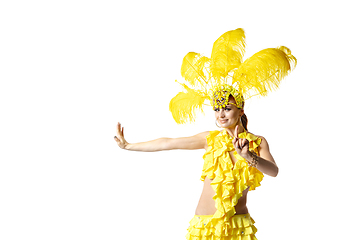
(228, 180)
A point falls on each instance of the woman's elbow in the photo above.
(275, 172)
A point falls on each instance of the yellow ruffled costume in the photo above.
(228, 181)
(211, 81)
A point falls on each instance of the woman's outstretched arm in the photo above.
(194, 142)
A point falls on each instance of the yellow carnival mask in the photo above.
(214, 79)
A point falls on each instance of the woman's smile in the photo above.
(222, 121)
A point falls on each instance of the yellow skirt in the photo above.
(240, 227)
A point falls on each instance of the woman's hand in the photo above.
(241, 145)
(119, 138)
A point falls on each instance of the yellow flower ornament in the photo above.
(213, 80)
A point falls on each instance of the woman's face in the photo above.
(229, 116)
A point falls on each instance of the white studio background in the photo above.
(70, 70)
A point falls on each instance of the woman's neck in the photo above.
(231, 131)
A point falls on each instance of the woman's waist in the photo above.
(235, 217)
(206, 206)
(205, 210)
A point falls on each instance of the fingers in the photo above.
(235, 142)
(119, 130)
(236, 131)
(237, 145)
(236, 139)
(240, 143)
(244, 142)
(119, 138)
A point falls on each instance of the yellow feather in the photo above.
(263, 71)
(258, 75)
(193, 68)
(185, 105)
(227, 53)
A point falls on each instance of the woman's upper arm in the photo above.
(197, 141)
(264, 150)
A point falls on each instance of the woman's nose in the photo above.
(222, 112)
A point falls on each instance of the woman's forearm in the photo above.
(267, 167)
(189, 143)
(150, 146)
(263, 165)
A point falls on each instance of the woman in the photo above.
(234, 159)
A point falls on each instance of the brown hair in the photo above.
(244, 121)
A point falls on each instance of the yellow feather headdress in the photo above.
(215, 79)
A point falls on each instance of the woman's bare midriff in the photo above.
(206, 205)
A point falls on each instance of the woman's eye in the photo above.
(227, 109)
(216, 110)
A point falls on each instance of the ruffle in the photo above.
(238, 227)
(228, 180)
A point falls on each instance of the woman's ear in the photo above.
(241, 112)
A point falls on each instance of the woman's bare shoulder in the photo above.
(203, 134)
(207, 133)
(264, 143)
(203, 138)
